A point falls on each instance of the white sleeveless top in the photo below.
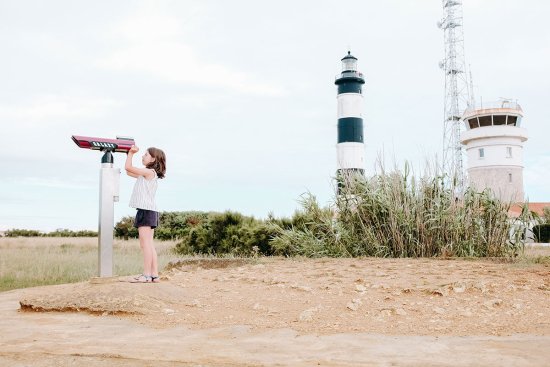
(143, 196)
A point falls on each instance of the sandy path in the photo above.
(344, 312)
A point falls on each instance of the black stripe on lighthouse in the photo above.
(349, 85)
(350, 130)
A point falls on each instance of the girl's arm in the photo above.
(135, 171)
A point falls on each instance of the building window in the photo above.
(508, 152)
(485, 121)
(509, 177)
(499, 120)
(481, 153)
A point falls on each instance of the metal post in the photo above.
(109, 179)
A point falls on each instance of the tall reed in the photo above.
(395, 214)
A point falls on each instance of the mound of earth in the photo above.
(322, 296)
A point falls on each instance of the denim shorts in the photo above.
(146, 218)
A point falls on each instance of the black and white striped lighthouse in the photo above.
(350, 147)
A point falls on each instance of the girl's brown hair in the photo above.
(159, 165)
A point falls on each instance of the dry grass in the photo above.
(535, 254)
(35, 261)
(396, 214)
(535, 250)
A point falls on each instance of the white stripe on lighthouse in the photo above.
(350, 105)
(350, 155)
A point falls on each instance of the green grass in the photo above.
(36, 261)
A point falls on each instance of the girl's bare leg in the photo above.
(154, 257)
(146, 244)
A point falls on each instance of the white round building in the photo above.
(494, 147)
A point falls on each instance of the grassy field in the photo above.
(35, 261)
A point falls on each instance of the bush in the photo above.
(228, 233)
(395, 215)
(125, 229)
(312, 232)
(23, 233)
(57, 233)
(172, 225)
(69, 233)
(176, 225)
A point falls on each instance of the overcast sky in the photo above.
(241, 96)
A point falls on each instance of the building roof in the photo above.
(515, 209)
(349, 56)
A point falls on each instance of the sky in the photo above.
(241, 96)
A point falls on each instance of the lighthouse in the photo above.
(494, 145)
(350, 147)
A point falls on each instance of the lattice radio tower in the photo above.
(457, 91)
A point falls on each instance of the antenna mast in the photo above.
(457, 96)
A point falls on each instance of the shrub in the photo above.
(125, 229)
(313, 232)
(23, 233)
(228, 233)
(172, 225)
(396, 215)
(57, 233)
(176, 225)
(68, 233)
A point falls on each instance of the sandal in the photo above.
(155, 279)
(142, 278)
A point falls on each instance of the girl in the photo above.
(143, 199)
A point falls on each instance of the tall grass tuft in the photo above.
(394, 214)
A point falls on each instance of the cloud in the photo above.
(52, 183)
(536, 177)
(149, 23)
(152, 45)
(51, 106)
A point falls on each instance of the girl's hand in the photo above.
(134, 149)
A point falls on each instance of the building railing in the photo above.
(502, 103)
(349, 74)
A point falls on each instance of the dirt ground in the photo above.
(289, 312)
